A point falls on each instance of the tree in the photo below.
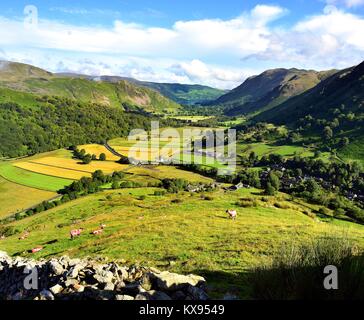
(270, 190)
(328, 134)
(124, 160)
(115, 185)
(344, 142)
(102, 157)
(273, 179)
(86, 159)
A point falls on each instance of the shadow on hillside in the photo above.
(288, 283)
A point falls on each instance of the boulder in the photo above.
(168, 281)
(56, 289)
(197, 293)
(104, 276)
(123, 297)
(56, 267)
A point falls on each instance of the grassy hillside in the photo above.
(344, 90)
(185, 94)
(268, 89)
(25, 78)
(193, 235)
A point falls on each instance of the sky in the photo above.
(215, 43)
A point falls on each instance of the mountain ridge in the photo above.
(29, 79)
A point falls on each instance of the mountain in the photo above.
(29, 79)
(344, 90)
(185, 94)
(270, 88)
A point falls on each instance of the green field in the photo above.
(193, 235)
(31, 179)
(15, 197)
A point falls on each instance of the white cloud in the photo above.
(205, 51)
(347, 3)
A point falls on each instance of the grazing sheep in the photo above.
(75, 233)
(232, 214)
(37, 249)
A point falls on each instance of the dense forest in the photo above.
(61, 122)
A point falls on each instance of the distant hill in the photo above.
(130, 96)
(272, 87)
(344, 89)
(332, 111)
(185, 94)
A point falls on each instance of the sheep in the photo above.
(232, 214)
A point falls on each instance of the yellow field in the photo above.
(97, 149)
(52, 171)
(73, 164)
(15, 197)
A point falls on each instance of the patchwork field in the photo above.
(15, 197)
(76, 165)
(193, 235)
(31, 179)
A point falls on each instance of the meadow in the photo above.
(192, 234)
(15, 197)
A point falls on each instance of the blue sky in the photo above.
(217, 43)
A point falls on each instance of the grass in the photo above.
(162, 172)
(296, 272)
(193, 235)
(15, 197)
(31, 179)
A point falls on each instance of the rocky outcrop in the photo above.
(75, 279)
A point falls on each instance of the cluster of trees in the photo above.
(59, 122)
(175, 185)
(333, 127)
(86, 158)
(260, 132)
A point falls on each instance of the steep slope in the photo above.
(55, 122)
(269, 89)
(344, 90)
(25, 78)
(181, 93)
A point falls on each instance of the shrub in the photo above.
(282, 205)
(325, 211)
(297, 271)
(8, 231)
(246, 203)
(208, 198)
(159, 193)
